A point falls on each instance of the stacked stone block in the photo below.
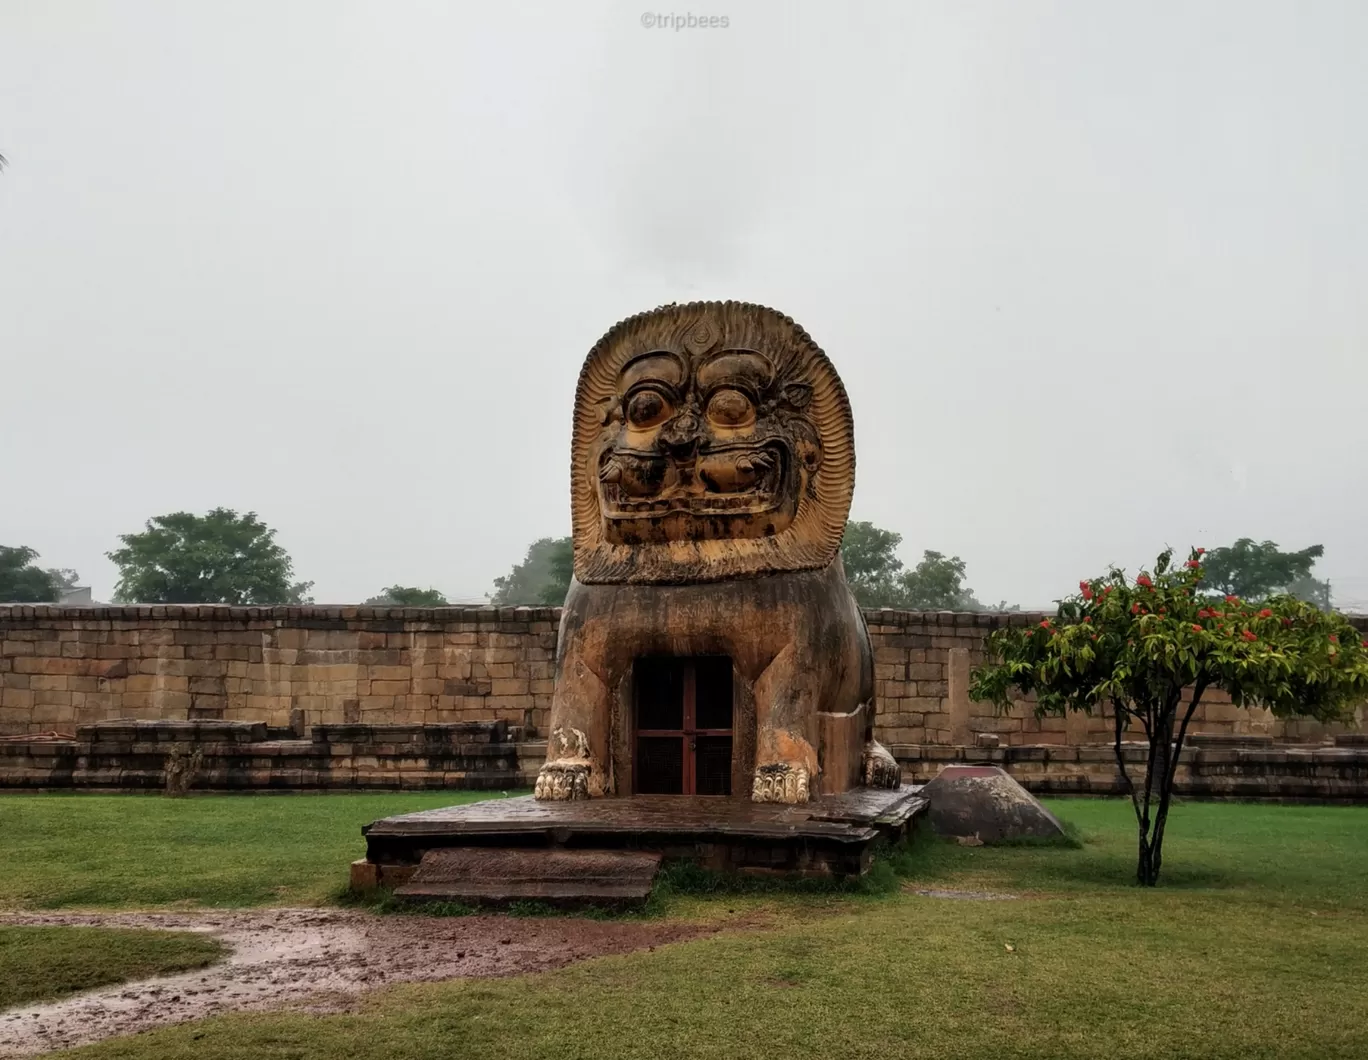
(65, 667)
(301, 667)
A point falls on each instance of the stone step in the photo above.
(1229, 739)
(505, 874)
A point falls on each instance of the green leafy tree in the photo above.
(64, 579)
(872, 568)
(543, 577)
(408, 596)
(877, 577)
(218, 558)
(1253, 570)
(1150, 649)
(937, 584)
(560, 569)
(1312, 590)
(22, 581)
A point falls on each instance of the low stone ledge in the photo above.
(1330, 774)
(454, 732)
(141, 731)
(134, 754)
(494, 756)
(37, 748)
(1229, 739)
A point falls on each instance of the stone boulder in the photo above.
(984, 803)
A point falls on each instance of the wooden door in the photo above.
(683, 725)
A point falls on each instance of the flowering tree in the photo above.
(1151, 648)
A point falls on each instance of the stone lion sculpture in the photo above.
(713, 462)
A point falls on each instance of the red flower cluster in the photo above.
(1265, 613)
(1248, 635)
(1144, 580)
(1086, 590)
(1045, 624)
(1192, 563)
(1196, 628)
(1201, 551)
(1334, 639)
(1232, 599)
(1204, 613)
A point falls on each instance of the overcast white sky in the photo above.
(1094, 274)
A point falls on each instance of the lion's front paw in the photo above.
(878, 768)
(561, 782)
(780, 783)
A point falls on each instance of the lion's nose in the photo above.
(680, 438)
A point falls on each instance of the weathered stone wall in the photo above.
(301, 667)
(65, 667)
(922, 664)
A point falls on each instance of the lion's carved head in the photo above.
(712, 440)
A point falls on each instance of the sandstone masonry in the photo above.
(296, 668)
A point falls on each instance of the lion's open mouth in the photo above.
(744, 480)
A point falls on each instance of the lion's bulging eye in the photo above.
(646, 408)
(730, 408)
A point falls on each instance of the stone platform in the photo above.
(834, 835)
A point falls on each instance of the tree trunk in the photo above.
(1156, 781)
(1160, 769)
(1121, 714)
(1147, 866)
(1166, 782)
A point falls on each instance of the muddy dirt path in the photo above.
(312, 959)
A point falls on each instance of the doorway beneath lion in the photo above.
(683, 716)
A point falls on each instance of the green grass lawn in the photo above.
(79, 851)
(1299, 855)
(1255, 945)
(40, 963)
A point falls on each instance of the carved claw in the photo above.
(878, 768)
(561, 782)
(780, 783)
